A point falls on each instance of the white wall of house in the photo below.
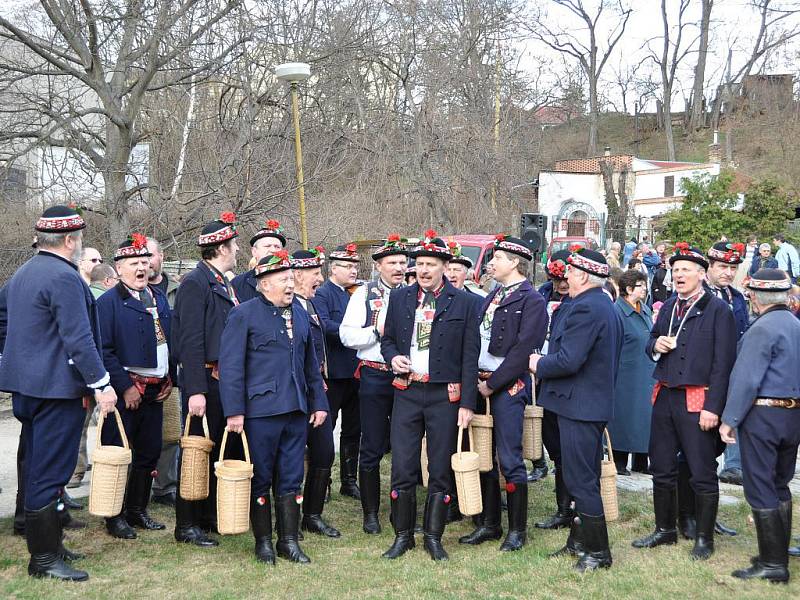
(651, 184)
(557, 188)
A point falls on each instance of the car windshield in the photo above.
(472, 253)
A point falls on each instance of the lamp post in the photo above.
(293, 73)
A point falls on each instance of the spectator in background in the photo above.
(612, 258)
(660, 287)
(650, 259)
(764, 260)
(90, 257)
(630, 427)
(787, 257)
(103, 277)
(630, 246)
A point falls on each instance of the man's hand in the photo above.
(381, 327)
(708, 420)
(235, 422)
(484, 389)
(317, 418)
(727, 433)
(464, 417)
(401, 364)
(533, 361)
(663, 344)
(197, 405)
(106, 400)
(132, 398)
(164, 394)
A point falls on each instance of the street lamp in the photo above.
(293, 73)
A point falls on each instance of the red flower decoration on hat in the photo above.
(351, 248)
(320, 250)
(228, 217)
(500, 237)
(575, 248)
(681, 247)
(393, 237)
(282, 254)
(738, 248)
(557, 268)
(430, 234)
(138, 241)
(273, 224)
(452, 244)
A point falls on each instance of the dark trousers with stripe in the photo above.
(51, 430)
(507, 412)
(277, 445)
(142, 427)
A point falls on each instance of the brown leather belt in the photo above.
(778, 402)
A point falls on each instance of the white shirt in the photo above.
(162, 350)
(352, 332)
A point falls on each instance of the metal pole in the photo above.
(298, 158)
(496, 124)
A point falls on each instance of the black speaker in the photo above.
(532, 229)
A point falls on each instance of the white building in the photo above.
(572, 194)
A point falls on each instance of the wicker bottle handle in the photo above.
(609, 449)
(460, 441)
(244, 444)
(533, 389)
(100, 422)
(488, 413)
(205, 427)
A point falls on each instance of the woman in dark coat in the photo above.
(630, 428)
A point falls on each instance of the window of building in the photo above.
(669, 186)
(13, 184)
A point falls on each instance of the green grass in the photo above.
(154, 566)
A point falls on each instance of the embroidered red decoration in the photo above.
(273, 224)
(228, 217)
(282, 254)
(351, 247)
(500, 237)
(298, 498)
(738, 248)
(154, 473)
(395, 495)
(681, 247)
(430, 234)
(261, 501)
(393, 237)
(511, 488)
(320, 249)
(138, 240)
(575, 248)
(446, 499)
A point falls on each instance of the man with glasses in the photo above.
(90, 258)
(330, 303)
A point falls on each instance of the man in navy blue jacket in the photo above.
(513, 324)
(204, 299)
(578, 376)
(51, 359)
(267, 240)
(431, 340)
(694, 344)
(135, 326)
(271, 387)
(331, 302)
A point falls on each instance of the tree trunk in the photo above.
(593, 116)
(697, 118)
(616, 201)
(115, 170)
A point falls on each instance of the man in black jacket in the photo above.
(432, 342)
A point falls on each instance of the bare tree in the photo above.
(698, 108)
(591, 45)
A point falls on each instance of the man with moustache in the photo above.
(513, 323)
(204, 299)
(694, 345)
(271, 387)
(307, 270)
(267, 240)
(331, 303)
(432, 342)
(361, 330)
(135, 326)
(165, 485)
(53, 331)
(578, 377)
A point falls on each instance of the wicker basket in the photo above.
(109, 473)
(608, 483)
(468, 480)
(423, 461)
(196, 450)
(532, 432)
(233, 489)
(481, 429)
(171, 426)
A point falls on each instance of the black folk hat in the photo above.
(685, 252)
(218, 231)
(272, 228)
(133, 247)
(769, 280)
(273, 263)
(60, 219)
(590, 261)
(433, 246)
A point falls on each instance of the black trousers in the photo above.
(142, 427)
(768, 438)
(376, 398)
(674, 429)
(582, 445)
(320, 445)
(423, 409)
(551, 437)
(343, 395)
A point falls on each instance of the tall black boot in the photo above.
(687, 524)
(139, 486)
(453, 512)
(119, 528)
(574, 544)
(348, 470)
(19, 511)
(707, 505)
(433, 524)
(43, 534)
(288, 517)
(404, 515)
(186, 529)
(490, 527)
(773, 559)
(370, 480)
(564, 513)
(314, 501)
(785, 507)
(664, 509)
(517, 500)
(594, 533)
(538, 470)
(261, 521)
